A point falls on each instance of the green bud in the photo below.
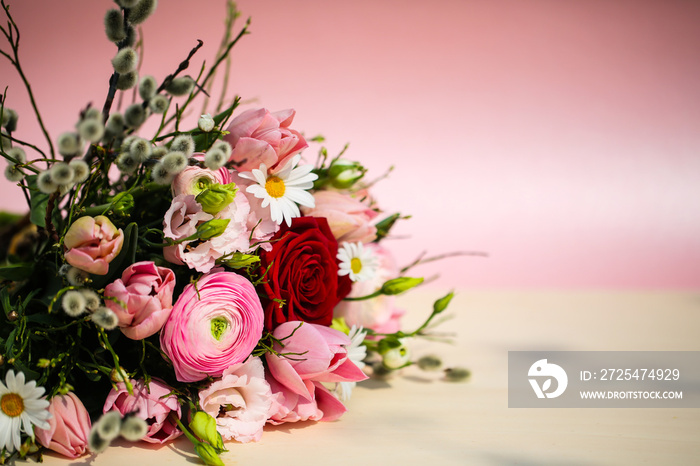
(341, 165)
(347, 179)
(212, 228)
(240, 260)
(204, 426)
(217, 197)
(397, 356)
(208, 455)
(399, 285)
(442, 303)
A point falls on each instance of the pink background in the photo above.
(562, 138)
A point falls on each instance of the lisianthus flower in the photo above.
(282, 189)
(356, 262)
(357, 352)
(21, 408)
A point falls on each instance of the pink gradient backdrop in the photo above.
(560, 137)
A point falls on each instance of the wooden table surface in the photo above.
(416, 418)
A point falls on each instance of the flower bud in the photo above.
(73, 303)
(18, 154)
(347, 179)
(45, 183)
(205, 123)
(123, 203)
(180, 86)
(12, 316)
(217, 197)
(77, 277)
(9, 119)
(115, 123)
(91, 129)
(128, 80)
(148, 87)
(183, 143)
(125, 60)
(96, 443)
(212, 228)
(92, 299)
(223, 146)
(140, 149)
(161, 175)
(81, 170)
(117, 375)
(114, 25)
(127, 3)
(174, 162)
(399, 285)
(204, 427)
(62, 174)
(142, 10)
(395, 358)
(69, 144)
(108, 425)
(215, 159)
(5, 141)
(127, 163)
(158, 104)
(208, 454)
(13, 174)
(134, 116)
(133, 428)
(105, 318)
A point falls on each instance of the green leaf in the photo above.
(39, 203)
(10, 341)
(17, 272)
(240, 260)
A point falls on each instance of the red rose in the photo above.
(302, 270)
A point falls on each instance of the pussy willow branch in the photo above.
(182, 67)
(107, 107)
(14, 44)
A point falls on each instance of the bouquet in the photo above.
(197, 280)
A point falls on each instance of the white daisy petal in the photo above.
(17, 416)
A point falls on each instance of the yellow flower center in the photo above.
(12, 404)
(355, 265)
(275, 186)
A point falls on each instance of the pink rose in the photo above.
(258, 136)
(69, 427)
(241, 401)
(320, 355)
(213, 325)
(350, 220)
(194, 180)
(92, 243)
(147, 292)
(151, 404)
(379, 314)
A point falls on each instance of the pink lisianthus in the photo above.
(297, 381)
(350, 220)
(147, 292)
(379, 314)
(181, 221)
(151, 404)
(69, 426)
(213, 325)
(193, 180)
(92, 243)
(241, 402)
(258, 136)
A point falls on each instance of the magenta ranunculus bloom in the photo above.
(241, 401)
(69, 427)
(150, 404)
(92, 243)
(212, 326)
(147, 292)
(297, 381)
(258, 136)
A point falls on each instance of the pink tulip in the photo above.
(69, 427)
(213, 325)
(319, 355)
(92, 243)
(350, 220)
(147, 292)
(258, 136)
(150, 404)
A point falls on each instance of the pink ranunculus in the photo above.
(241, 402)
(350, 220)
(147, 292)
(319, 355)
(92, 243)
(69, 426)
(193, 180)
(379, 314)
(258, 136)
(151, 404)
(214, 324)
(181, 221)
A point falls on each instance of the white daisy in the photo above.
(356, 353)
(21, 407)
(355, 261)
(283, 189)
